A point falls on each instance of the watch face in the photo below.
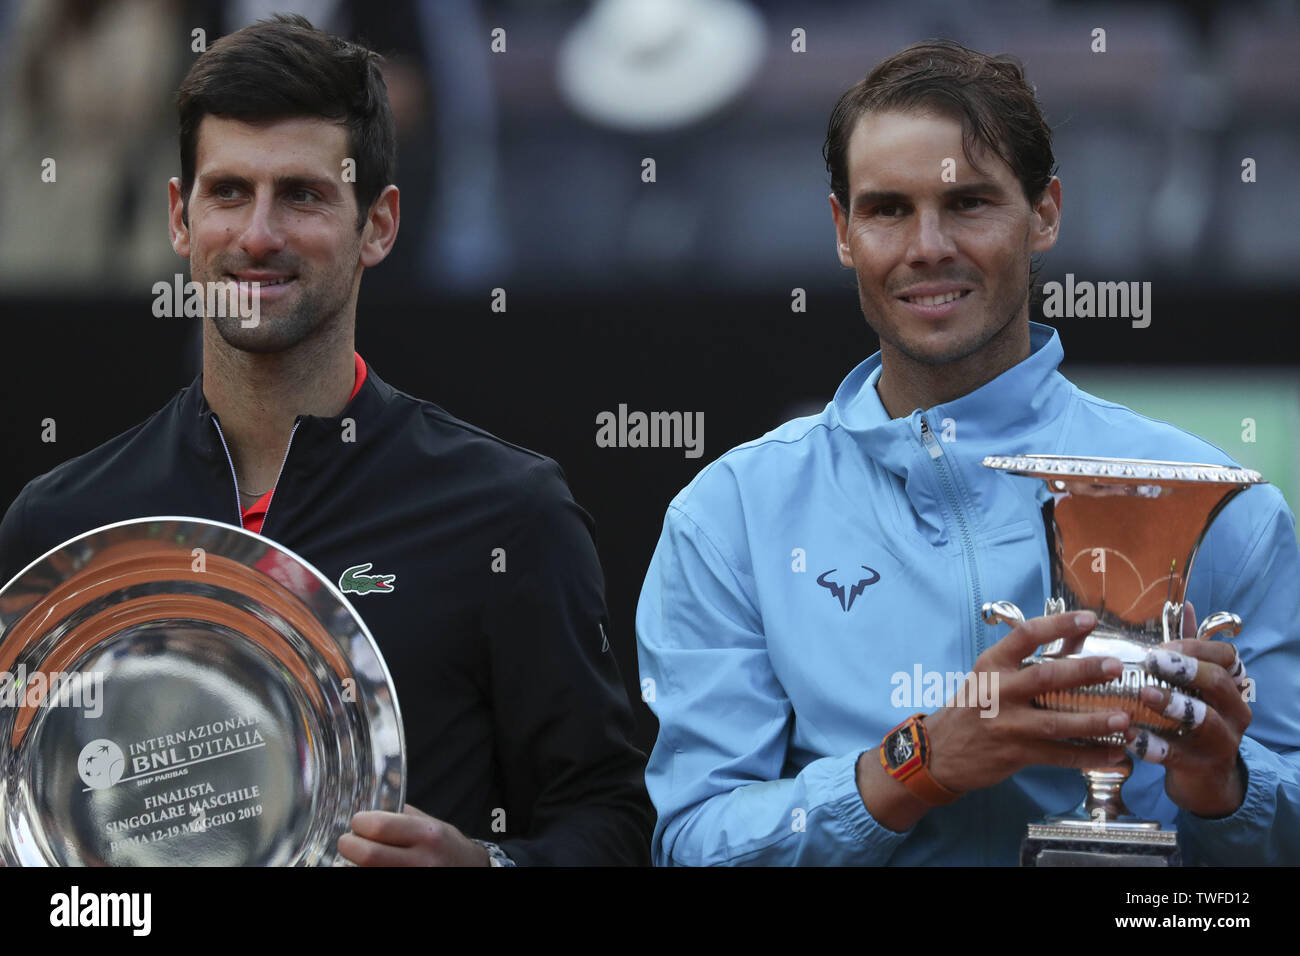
(900, 748)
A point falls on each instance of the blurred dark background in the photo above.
(522, 170)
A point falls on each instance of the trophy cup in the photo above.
(175, 691)
(1121, 538)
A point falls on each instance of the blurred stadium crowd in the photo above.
(511, 172)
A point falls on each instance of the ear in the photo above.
(841, 232)
(380, 231)
(176, 227)
(1046, 223)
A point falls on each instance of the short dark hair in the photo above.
(988, 94)
(285, 67)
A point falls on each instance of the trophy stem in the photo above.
(1104, 801)
(1104, 805)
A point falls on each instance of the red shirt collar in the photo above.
(255, 513)
(359, 367)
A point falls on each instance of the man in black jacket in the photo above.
(466, 556)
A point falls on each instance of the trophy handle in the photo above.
(1216, 622)
(1005, 612)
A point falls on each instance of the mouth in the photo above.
(933, 300)
(262, 281)
(939, 306)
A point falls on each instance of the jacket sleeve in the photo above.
(572, 781)
(718, 774)
(14, 554)
(1264, 589)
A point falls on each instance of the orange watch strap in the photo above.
(923, 785)
(918, 780)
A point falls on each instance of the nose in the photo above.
(930, 243)
(261, 237)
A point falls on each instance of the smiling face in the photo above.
(269, 205)
(942, 266)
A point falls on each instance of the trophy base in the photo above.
(1058, 844)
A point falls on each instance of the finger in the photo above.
(1187, 710)
(1048, 676)
(1148, 746)
(1054, 725)
(1224, 654)
(416, 812)
(1221, 701)
(1237, 671)
(395, 829)
(1197, 659)
(1189, 620)
(365, 852)
(1177, 667)
(1212, 738)
(1034, 633)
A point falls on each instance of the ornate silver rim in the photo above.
(1078, 466)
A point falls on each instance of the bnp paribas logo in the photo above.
(100, 764)
(355, 580)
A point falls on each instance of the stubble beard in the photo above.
(315, 307)
(1009, 307)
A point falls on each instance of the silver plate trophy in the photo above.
(175, 691)
(1121, 538)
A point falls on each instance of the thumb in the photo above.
(1189, 620)
(415, 812)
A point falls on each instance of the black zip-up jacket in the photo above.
(510, 697)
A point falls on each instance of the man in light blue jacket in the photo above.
(813, 588)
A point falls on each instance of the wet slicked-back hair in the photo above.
(990, 96)
(285, 67)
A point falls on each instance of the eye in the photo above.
(224, 191)
(971, 202)
(301, 195)
(888, 210)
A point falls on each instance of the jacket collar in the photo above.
(194, 420)
(993, 419)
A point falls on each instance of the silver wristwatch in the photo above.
(496, 855)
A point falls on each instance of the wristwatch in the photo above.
(905, 755)
(496, 855)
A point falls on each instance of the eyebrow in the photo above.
(281, 183)
(981, 186)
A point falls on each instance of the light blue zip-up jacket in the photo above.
(770, 675)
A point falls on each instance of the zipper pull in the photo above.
(928, 439)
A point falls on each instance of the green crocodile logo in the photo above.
(355, 580)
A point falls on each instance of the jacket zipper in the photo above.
(287, 445)
(932, 445)
(935, 449)
(239, 509)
